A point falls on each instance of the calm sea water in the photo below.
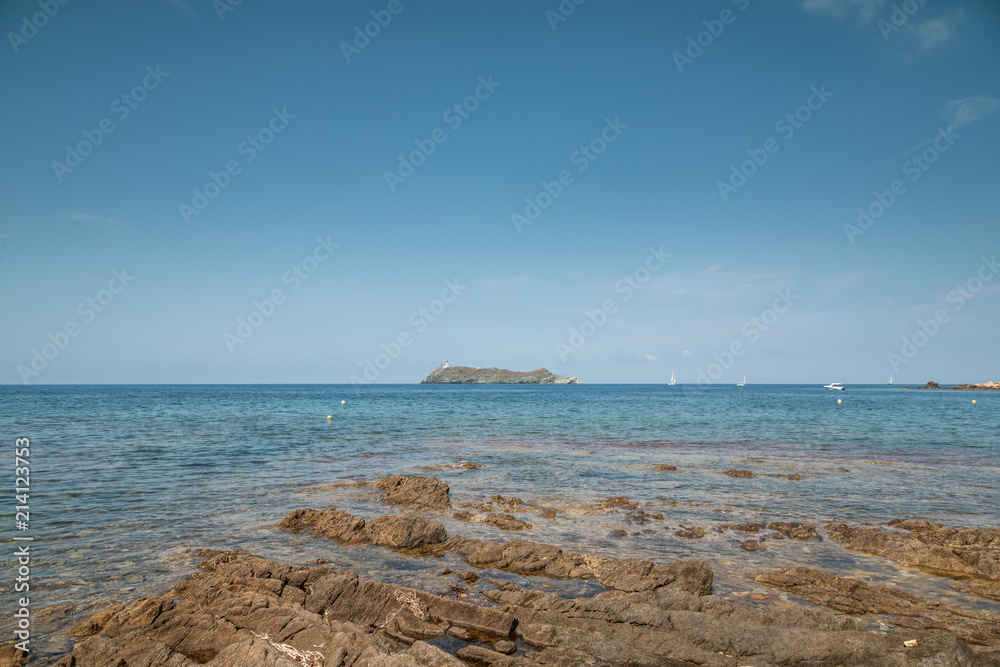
(128, 482)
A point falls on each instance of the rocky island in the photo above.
(995, 386)
(446, 374)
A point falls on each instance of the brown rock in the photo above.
(547, 514)
(751, 545)
(418, 493)
(991, 592)
(406, 531)
(738, 473)
(744, 527)
(464, 516)
(972, 551)
(11, 656)
(663, 467)
(795, 530)
(618, 502)
(691, 533)
(469, 465)
(853, 596)
(505, 521)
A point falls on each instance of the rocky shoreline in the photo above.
(242, 609)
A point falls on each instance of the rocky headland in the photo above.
(467, 375)
(241, 609)
(995, 386)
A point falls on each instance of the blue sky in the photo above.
(623, 132)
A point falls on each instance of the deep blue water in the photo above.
(125, 480)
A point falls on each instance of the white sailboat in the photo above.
(743, 382)
(890, 378)
(673, 380)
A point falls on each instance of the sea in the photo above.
(130, 484)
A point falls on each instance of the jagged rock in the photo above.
(418, 493)
(505, 521)
(928, 545)
(744, 527)
(616, 503)
(244, 610)
(693, 576)
(403, 531)
(795, 530)
(691, 533)
(11, 656)
(751, 545)
(853, 596)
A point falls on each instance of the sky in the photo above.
(305, 192)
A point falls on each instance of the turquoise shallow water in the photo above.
(127, 480)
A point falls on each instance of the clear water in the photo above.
(128, 482)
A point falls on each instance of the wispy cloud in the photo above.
(969, 110)
(650, 357)
(183, 8)
(865, 10)
(715, 267)
(957, 113)
(686, 353)
(930, 33)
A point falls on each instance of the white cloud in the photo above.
(715, 267)
(970, 110)
(651, 357)
(686, 353)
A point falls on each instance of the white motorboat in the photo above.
(834, 385)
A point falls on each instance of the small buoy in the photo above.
(973, 400)
(345, 402)
(329, 416)
(838, 401)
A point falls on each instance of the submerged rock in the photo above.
(663, 467)
(418, 493)
(974, 551)
(738, 473)
(853, 596)
(505, 521)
